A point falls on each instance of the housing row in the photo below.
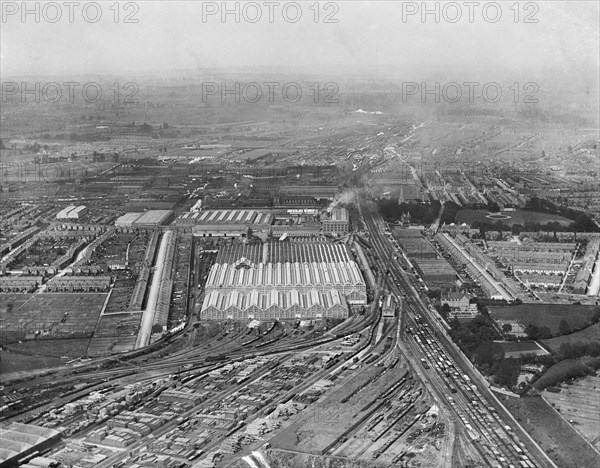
(24, 284)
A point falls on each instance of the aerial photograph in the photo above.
(300, 234)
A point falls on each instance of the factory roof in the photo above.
(153, 217)
(339, 214)
(264, 300)
(127, 219)
(282, 252)
(283, 274)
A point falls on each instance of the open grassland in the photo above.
(590, 334)
(516, 217)
(546, 315)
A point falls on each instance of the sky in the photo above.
(173, 35)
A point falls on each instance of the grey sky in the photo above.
(172, 36)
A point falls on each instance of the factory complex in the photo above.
(284, 280)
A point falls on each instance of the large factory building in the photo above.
(284, 280)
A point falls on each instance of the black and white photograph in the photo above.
(300, 234)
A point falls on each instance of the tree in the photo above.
(564, 327)
(507, 373)
(532, 331)
(494, 207)
(507, 328)
(445, 311)
(516, 229)
(544, 333)
(157, 328)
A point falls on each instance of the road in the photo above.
(400, 283)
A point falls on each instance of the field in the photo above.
(52, 348)
(51, 315)
(516, 217)
(514, 349)
(587, 335)
(545, 315)
(115, 333)
(13, 362)
(580, 404)
(556, 437)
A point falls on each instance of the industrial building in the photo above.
(72, 212)
(274, 305)
(147, 219)
(226, 223)
(17, 441)
(337, 222)
(388, 308)
(319, 192)
(285, 280)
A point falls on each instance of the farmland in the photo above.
(580, 405)
(555, 435)
(516, 217)
(51, 315)
(546, 315)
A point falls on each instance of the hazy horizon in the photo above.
(155, 46)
